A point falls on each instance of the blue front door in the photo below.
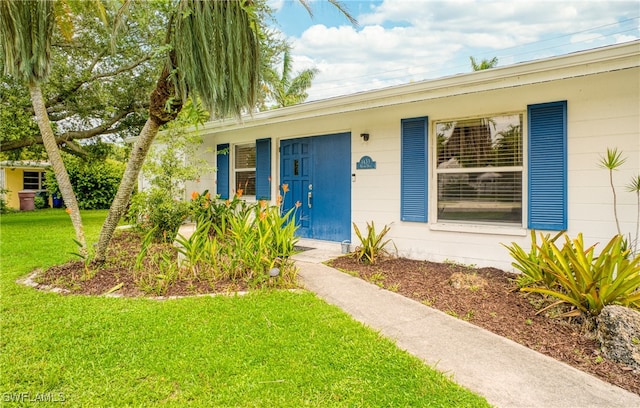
(318, 172)
(295, 172)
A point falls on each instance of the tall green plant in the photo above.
(239, 241)
(612, 162)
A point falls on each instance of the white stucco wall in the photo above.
(603, 111)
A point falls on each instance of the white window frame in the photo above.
(480, 226)
(236, 170)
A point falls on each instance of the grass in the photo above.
(267, 348)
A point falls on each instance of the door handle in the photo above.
(309, 197)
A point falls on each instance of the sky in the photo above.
(402, 41)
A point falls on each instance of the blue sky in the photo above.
(401, 41)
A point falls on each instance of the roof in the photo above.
(24, 164)
(583, 63)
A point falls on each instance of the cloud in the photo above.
(399, 41)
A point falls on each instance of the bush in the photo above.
(39, 202)
(157, 211)
(576, 276)
(94, 182)
(4, 208)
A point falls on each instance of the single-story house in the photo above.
(19, 175)
(455, 166)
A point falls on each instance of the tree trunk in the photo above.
(129, 181)
(158, 116)
(64, 183)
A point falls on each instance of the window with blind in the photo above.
(245, 169)
(479, 170)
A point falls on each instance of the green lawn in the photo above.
(266, 349)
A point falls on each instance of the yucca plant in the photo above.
(589, 282)
(372, 245)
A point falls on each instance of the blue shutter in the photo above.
(222, 164)
(413, 170)
(547, 191)
(263, 169)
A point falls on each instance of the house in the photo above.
(455, 166)
(19, 175)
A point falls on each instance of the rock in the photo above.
(618, 331)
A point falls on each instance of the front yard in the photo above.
(267, 348)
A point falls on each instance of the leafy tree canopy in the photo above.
(96, 87)
(99, 85)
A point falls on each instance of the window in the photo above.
(245, 169)
(33, 180)
(479, 170)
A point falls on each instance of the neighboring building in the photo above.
(456, 166)
(16, 176)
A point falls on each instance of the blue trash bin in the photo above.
(56, 201)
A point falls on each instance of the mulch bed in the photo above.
(488, 297)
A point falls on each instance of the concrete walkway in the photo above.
(504, 372)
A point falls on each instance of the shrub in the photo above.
(94, 182)
(372, 245)
(4, 208)
(583, 280)
(155, 210)
(39, 202)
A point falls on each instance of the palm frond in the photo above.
(217, 54)
(26, 29)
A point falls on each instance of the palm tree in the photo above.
(214, 57)
(285, 90)
(26, 29)
(484, 64)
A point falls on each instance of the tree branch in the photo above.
(56, 100)
(104, 128)
(121, 69)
